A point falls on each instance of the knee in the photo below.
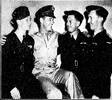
(54, 94)
(68, 74)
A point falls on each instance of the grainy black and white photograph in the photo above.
(56, 49)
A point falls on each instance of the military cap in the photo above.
(20, 13)
(101, 11)
(46, 11)
(77, 14)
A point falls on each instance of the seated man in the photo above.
(46, 69)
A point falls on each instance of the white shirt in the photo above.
(45, 53)
(74, 34)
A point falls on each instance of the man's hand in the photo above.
(95, 97)
(3, 40)
(15, 93)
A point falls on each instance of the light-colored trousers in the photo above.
(64, 77)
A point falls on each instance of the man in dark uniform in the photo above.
(73, 45)
(17, 59)
(100, 52)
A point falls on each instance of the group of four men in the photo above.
(87, 57)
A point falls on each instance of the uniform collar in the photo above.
(103, 32)
(75, 34)
(99, 31)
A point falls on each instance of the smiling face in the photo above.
(72, 23)
(48, 23)
(93, 20)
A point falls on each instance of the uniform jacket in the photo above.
(73, 52)
(99, 65)
(101, 54)
(17, 62)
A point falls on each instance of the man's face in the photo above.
(71, 23)
(48, 23)
(26, 23)
(93, 20)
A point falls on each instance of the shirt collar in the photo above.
(74, 34)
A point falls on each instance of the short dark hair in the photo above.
(100, 11)
(77, 15)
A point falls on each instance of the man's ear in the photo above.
(100, 19)
(41, 20)
(18, 22)
(78, 23)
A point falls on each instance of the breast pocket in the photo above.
(53, 50)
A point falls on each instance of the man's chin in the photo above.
(49, 30)
(92, 29)
(70, 31)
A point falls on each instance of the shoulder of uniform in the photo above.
(109, 36)
(109, 39)
(10, 36)
(62, 37)
(30, 37)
